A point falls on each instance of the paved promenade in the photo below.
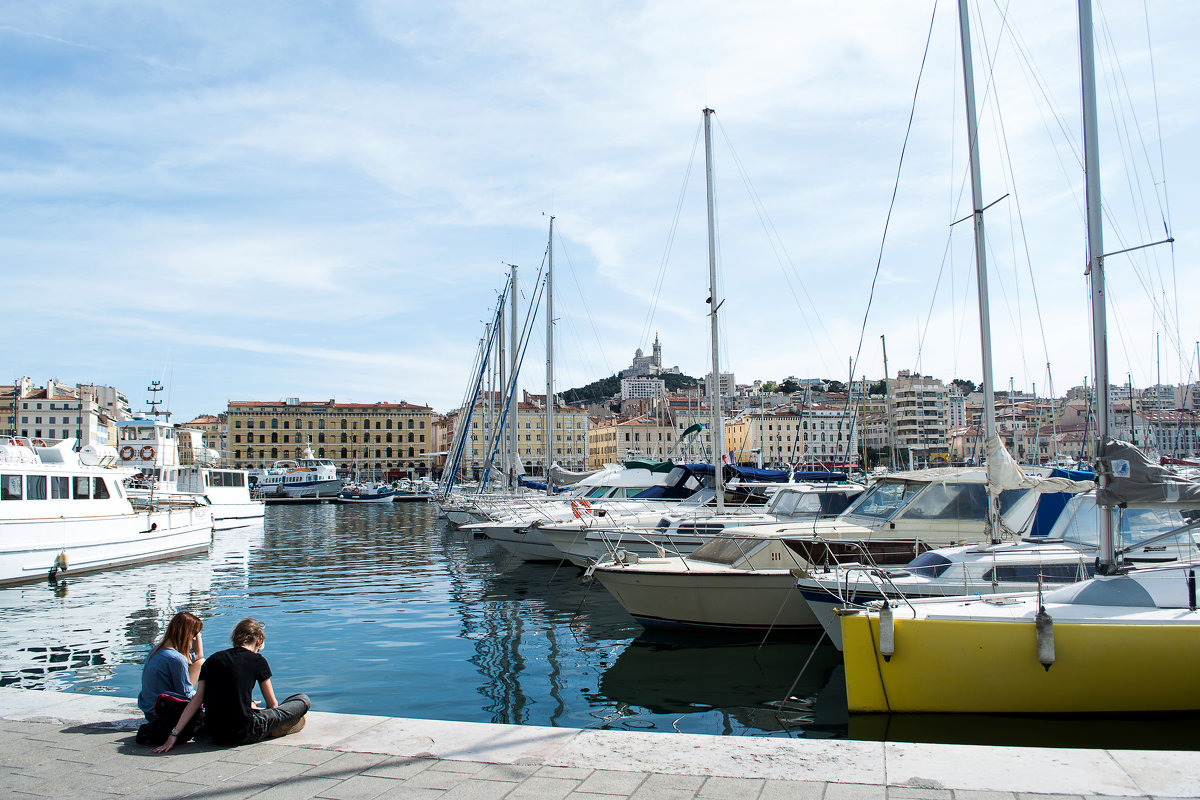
(55, 744)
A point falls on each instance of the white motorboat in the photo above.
(67, 512)
(173, 462)
(370, 492)
(680, 530)
(307, 477)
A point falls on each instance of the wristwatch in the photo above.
(175, 733)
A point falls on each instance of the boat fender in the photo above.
(60, 564)
(887, 632)
(1044, 624)
(1191, 584)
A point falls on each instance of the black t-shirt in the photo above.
(229, 677)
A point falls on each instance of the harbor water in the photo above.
(387, 610)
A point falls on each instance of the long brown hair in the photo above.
(182, 628)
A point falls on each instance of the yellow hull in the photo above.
(974, 666)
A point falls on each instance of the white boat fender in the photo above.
(887, 631)
(1043, 623)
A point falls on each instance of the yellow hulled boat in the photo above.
(1112, 644)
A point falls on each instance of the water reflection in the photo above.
(385, 610)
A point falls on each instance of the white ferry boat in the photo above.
(308, 477)
(67, 512)
(170, 462)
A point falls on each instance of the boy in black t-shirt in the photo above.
(225, 689)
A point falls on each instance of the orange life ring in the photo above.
(147, 453)
(38, 443)
(126, 453)
(579, 507)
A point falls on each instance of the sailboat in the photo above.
(1124, 641)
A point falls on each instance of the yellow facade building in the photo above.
(384, 440)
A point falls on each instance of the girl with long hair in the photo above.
(173, 666)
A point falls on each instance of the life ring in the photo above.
(38, 443)
(579, 507)
(147, 453)
(126, 453)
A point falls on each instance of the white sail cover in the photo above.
(564, 477)
(1005, 473)
(1137, 482)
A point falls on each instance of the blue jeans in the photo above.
(268, 719)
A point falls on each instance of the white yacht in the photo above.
(67, 512)
(307, 477)
(173, 462)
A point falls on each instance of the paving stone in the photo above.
(476, 789)
(301, 787)
(464, 767)
(854, 791)
(307, 755)
(402, 791)
(917, 793)
(719, 788)
(360, 787)
(678, 782)
(401, 767)
(792, 790)
(570, 773)
(607, 781)
(543, 788)
(972, 794)
(506, 772)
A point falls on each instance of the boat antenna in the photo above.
(154, 388)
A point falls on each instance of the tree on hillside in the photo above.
(963, 385)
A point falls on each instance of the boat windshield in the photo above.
(964, 501)
(929, 564)
(724, 549)
(1080, 522)
(884, 499)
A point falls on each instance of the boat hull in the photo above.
(741, 600)
(1099, 667)
(31, 549)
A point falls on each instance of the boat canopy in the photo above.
(1137, 482)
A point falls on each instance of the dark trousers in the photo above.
(268, 719)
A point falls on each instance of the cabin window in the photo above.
(81, 488)
(950, 501)
(60, 487)
(10, 487)
(35, 487)
(99, 489)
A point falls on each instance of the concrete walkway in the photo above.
(56, 744)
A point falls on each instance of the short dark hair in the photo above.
(248, 631)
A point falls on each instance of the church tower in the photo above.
(657, 357)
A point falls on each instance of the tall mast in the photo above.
(1095, 269)
(714, 304)
(515, 412)
(887, 405)
(985, 320)
(550, 359)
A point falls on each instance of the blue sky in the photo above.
(253, 201)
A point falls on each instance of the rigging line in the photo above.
(586, 305)
(895, 190)
(670, 243)
(775, 241)
(933, 300)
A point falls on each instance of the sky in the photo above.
(257, 201)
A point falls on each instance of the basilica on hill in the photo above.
(648, 364)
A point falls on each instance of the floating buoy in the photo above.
(579, 507)
(1043, 623)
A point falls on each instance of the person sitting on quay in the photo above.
(225, 689)
(173, 667)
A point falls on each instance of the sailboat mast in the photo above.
(511, 464)
(1095, 269)
(714, 304)
(550, 359)
(985, 320)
